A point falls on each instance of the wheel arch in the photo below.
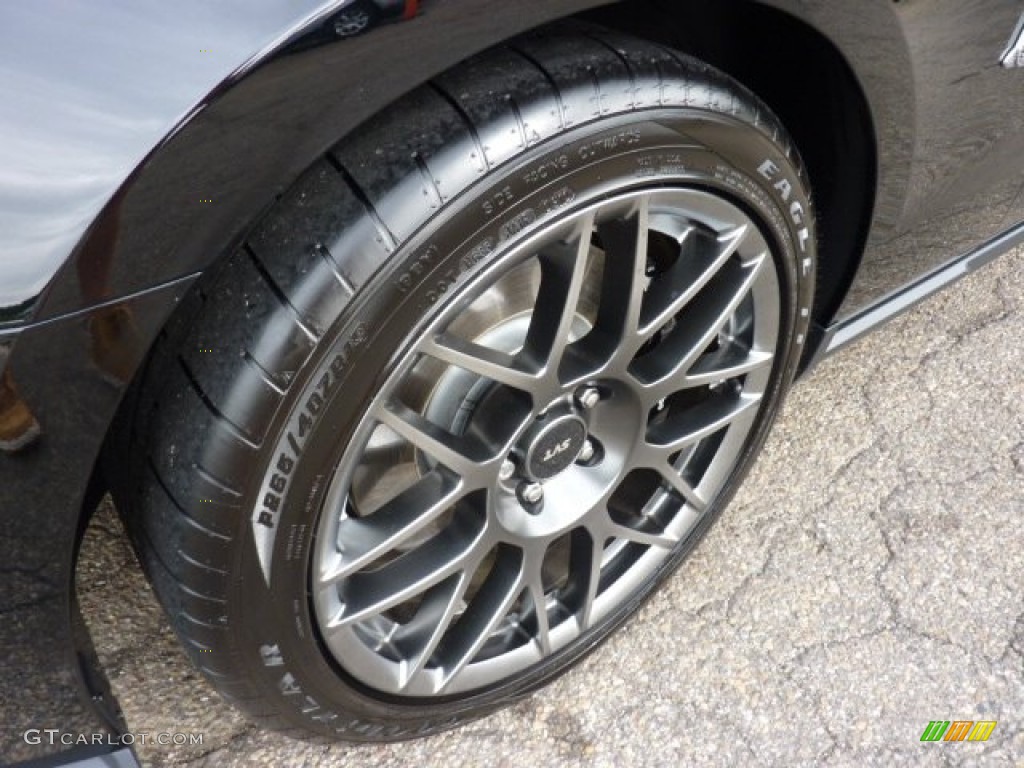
(805, 79)
(189, 238)
(288, 109)
(165, 230)
(166, 233)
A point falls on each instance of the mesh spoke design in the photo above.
(629, 346)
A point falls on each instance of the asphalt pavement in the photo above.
(865, 581)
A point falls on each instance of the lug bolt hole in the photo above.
(531, 495)
(591, 454)
(587, 397)
(508, 468)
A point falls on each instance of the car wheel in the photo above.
(355, 19)
(473, 386)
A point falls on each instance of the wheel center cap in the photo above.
(553, 445)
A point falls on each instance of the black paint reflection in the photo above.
(19, 428)
(968, 126)
(88, 90)
(42, 488)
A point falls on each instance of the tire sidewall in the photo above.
(269, 606)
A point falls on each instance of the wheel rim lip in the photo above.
(351, 653)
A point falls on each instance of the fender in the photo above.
(88, 94)
(203, 136)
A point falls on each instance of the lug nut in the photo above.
(531, 493)
(586, 452)
(588, 397)
(508, 468)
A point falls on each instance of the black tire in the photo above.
(259, 379)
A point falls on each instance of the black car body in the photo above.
(138, 142)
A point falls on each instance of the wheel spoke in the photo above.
(670, 292)
(726, 364)
(676, 482)
(685, 429)
(563, 267)
(639, 536)
(540, 610)
(624, 279)
(459, 455)
(366, 594)
(705, 317)
(585, 561)
(432, 621)
(409, 512)
(475, 358)
(488, 607)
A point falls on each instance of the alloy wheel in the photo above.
(546, 442)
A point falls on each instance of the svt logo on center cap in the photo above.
(551, 453)
(554, 445)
